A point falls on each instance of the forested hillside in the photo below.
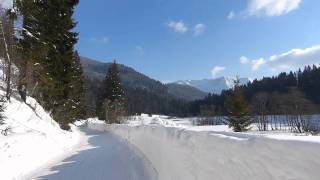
(282, 94)
(143, 94)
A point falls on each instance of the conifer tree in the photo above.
(114, 103)
(239, 117)
(51, 66)
(76, 95)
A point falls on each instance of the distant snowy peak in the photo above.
(213, 85)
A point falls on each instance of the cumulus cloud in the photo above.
(6, 3)
(255, 64)
(102, 40)
(295, 58)
(178, 26)
(244, 60)
(231, 15)
(290, 60)
(271, 7)
(217, 69)
(199, 29)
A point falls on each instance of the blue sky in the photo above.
(194, 39)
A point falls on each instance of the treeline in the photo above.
(276, 103)
(137, 100)
(150, 102)
(305, 82)
(39, 40)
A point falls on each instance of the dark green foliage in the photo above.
(307, 81)
(113, 88)
(143, 94)
(239, 117)
(111, 91)
(51, 72)
(75, 102)
(114, 100)
(152, 102)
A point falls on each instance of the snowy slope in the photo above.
(212, 85)
(33, 139)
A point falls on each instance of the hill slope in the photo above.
(132, 79)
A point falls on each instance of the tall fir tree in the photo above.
(76, 99)
(114, 99)
(51, 66)
(114, 90)
(239, 117)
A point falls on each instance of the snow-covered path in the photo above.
(101, 157)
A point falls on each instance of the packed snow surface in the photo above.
(36, 148)
(100, 156)
(183, 152)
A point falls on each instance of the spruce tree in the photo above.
(114, 103)
(51, 64)
(239, 117)
(76, 93)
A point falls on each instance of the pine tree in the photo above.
(239, 117)
(114, 103)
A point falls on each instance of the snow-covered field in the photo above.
(179, 151)
(34, 139)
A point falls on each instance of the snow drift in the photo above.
(33, 139)
(180, 154)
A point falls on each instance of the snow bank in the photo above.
(33, 140)
(180, 154)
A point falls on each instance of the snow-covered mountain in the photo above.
(213, 85)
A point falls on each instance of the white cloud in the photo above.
(244, 60)
(178, 26)
(271, 7)
(199, 29)
(290, 60)
(231, 15)
(217, 69)
(102, 40)
(295, 58)
(255, 64)
(139, 50)
(6, 3)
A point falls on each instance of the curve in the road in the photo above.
(109, 159)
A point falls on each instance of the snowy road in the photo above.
(101, 157)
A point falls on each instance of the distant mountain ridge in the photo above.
(132, 79)
(215, 86)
